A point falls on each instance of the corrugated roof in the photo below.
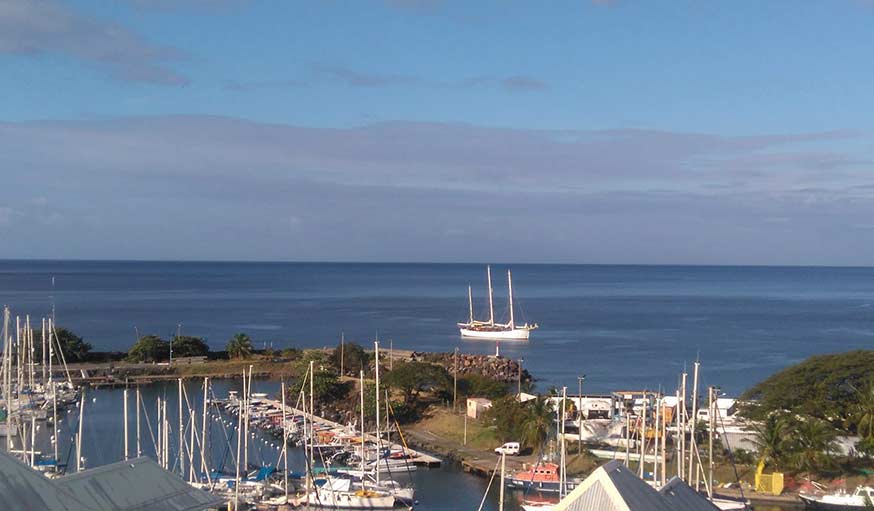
(638, 495)
(613, 487)
(22, 488)
(139, 485)
(683, 498)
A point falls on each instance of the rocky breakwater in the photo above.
(496, 368)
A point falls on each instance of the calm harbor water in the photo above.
(622, 326)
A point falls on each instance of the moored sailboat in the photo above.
(490, 329)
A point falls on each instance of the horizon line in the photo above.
(422, 263)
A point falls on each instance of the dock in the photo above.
(418, 458)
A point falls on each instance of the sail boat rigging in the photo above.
(490, 329)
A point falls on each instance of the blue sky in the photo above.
(588, 131)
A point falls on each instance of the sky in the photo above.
(589, 131)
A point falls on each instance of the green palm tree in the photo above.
(771, 438)
(863, 411)
(240, 346)
(813, 444)
(537, 423)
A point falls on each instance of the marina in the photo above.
(612, 423)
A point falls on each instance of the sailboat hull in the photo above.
(516, 334)
(349, 500)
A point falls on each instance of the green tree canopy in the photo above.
(355, 358)
(508, 416)
(537, 422)
(771, 438)
(862, 412)
(149, 348)
(326, 387)
(187, 346)
(412, 378)
(813, 445)
(823, 386)
(74, 348)
(240, 346)
(476, 385)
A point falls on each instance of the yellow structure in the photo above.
(768, 483)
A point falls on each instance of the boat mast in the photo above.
(562, 480)
(126, 453)
(79, 435)
(378, 437)
(510, 285)
(239, 444)
(470, 303)
(711, 415)
(503, 467)
(284, 439)
(491, 298)
(54, 421)
(361, 384)
(181, 435)
(7, 379)
(692, 444)
(139, 404)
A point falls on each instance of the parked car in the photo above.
(510, 449)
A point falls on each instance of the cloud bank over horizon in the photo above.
(219, 188)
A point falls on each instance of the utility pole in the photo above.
(342, 353)
(455, 381)
(580, 380)
(519, 378)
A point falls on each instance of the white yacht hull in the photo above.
(517, 334)
(349, 500)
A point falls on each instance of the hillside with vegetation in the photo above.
(800, 411)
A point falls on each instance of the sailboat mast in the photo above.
(378, 443)
(284, 440)
(240, 445)
(711, 405)
(491, 298)
(181, 435)
(501, 491)
(79, 435)
(470, 303)
(562, 480)
(124, 412)
(510, 285)
(139, 404)
(361, 379)
(54, 420)
(692, 444)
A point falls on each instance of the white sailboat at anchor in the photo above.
(478, 329)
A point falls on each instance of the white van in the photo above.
(510, 449)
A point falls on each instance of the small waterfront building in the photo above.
(477, 406)
(613, 487)
(591, 406)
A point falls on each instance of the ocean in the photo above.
(624, 327)
(628, 327)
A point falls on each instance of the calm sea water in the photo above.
(622, 326)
